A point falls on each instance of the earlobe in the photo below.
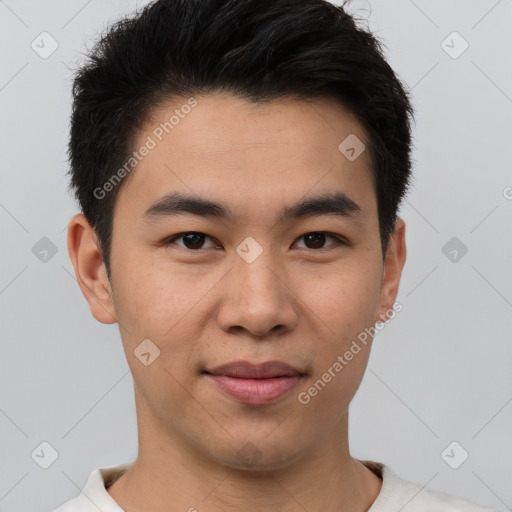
(85, 253)
(394, 262)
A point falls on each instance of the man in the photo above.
(239, 166)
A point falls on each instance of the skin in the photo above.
(204, 307)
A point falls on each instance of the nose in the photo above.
(258, 298)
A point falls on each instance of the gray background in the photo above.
(439, 372)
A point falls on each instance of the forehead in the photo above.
(237, 153)
(220, 121)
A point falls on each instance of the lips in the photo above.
(255, 384)
(246, 370)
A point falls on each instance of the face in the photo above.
(246, 235)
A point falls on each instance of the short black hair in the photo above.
(258, 50)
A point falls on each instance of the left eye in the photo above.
(317, 239)
(194, 240)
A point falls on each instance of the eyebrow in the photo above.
(335, 204)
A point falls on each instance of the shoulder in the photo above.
(94, 495)
(408, 496)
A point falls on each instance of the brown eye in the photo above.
(316, 240)
(191, 240)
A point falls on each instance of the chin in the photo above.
(255, 454)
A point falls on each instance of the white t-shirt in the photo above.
(395, 495)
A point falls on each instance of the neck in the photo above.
(169, 471)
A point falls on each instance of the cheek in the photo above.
(161, 306)
(152, 297)
(344, 299)
(342, 307)
(166, 305)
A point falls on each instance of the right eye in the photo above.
(192, 240)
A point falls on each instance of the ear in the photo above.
(394, 262)
(86, 256)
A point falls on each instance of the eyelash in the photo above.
(339, 240)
